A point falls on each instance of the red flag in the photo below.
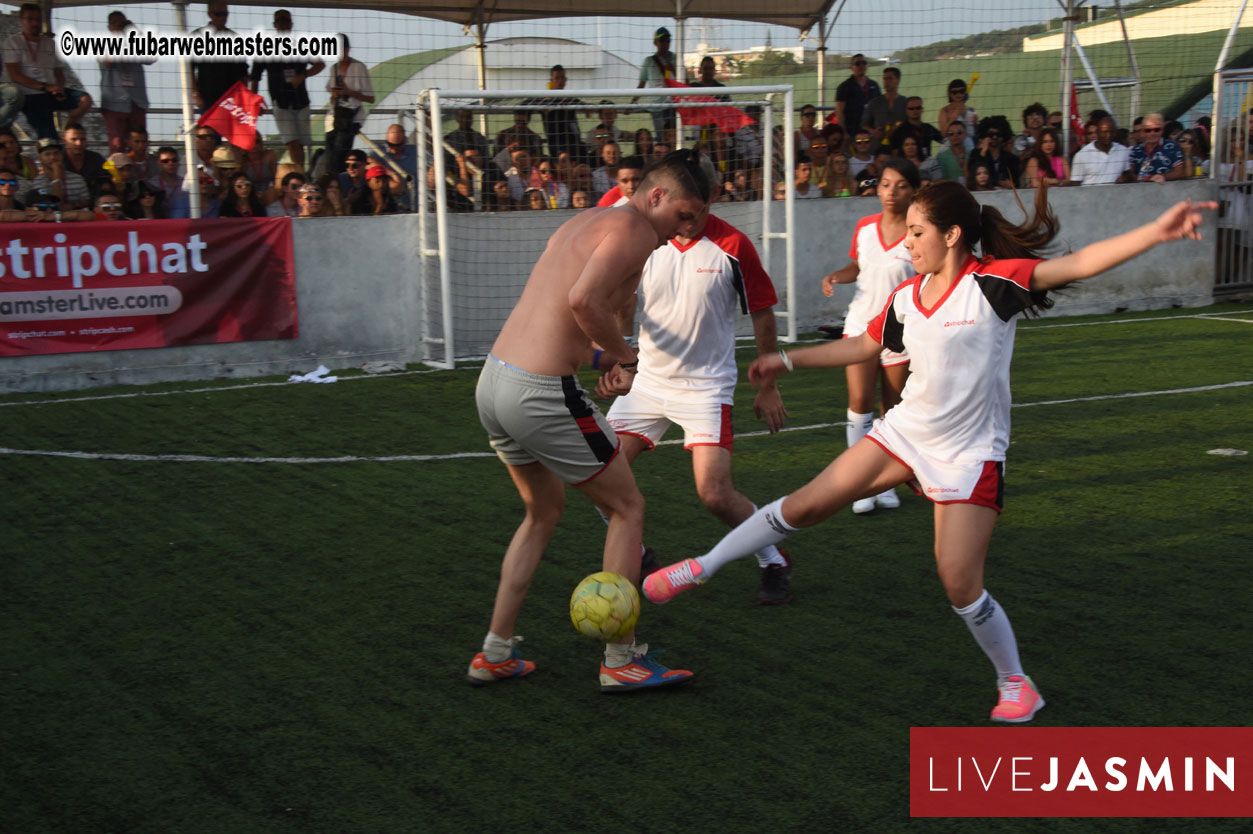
(1076, 121)
(234, 116)
(727, 118)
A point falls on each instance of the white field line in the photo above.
(462, 455)
(745, 346)
(1224, 318)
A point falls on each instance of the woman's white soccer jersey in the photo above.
(687, 371)
(955, 406)
(882, 267)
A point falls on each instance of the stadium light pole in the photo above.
(1131, 62)
(824, 31)
(680, 69)
(1068, 69)
(189, 146)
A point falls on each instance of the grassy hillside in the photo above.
(1175, 71)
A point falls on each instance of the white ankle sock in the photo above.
(770, 555)
(858, 425)
(762, 529)
(990, 626)
(618, 655)
(496, 648)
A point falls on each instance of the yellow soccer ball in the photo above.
(605, 606)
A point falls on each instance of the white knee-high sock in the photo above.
(990, 626)
(769, 555)
(858, 425)
(762, 529)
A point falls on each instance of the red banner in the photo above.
(728, 119)
(67, 288)
(1081, 772)
(234, 116)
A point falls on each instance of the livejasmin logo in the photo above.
(1023, 774)
(1080, 772)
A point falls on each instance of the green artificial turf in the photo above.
(223, 646)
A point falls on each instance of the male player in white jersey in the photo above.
(692, 288)
(543, 426)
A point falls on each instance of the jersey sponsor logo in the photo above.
(958, 323)
(702, 270)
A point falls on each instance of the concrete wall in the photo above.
(359, 284)
(1181, 275)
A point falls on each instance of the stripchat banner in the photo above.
(69, 288)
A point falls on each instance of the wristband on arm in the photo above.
(787, 360)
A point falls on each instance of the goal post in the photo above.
(476, 249)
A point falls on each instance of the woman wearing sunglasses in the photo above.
(958, 109)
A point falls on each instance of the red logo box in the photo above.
(1081, 772)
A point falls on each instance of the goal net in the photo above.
(490, 203)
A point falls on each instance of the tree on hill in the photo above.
(1006, 41)
(997, 42)
(771, 63)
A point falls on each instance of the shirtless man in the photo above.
(542, 424)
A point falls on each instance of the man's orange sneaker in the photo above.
(482, 671)
(1019, 700)
(643, 672)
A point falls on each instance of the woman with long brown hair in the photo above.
(948, 436)
(241, 199)
(1046, 164)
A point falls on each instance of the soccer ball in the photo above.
(605, 606)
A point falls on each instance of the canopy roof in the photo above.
(797, 14)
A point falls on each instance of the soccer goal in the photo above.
(486, 211)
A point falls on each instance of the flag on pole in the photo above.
(234, 116)
(1076, 121)
(728, 119)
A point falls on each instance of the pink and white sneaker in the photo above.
(1019, 700)
(664, 585)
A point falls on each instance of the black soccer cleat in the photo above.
(776, 585)
(648, 563)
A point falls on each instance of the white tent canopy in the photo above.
(796, 14)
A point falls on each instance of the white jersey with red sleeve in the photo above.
(691, 295)
(955, 405)
(882, 266)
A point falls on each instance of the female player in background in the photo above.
(949, 433)
(880, 264)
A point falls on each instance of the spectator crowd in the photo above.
(565, 166)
